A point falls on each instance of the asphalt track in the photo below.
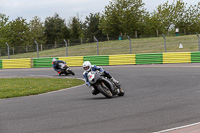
(158, 97)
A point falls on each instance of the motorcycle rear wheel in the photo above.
(71, 72)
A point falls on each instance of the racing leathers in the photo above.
(56, 65)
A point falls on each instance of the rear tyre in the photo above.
(71, 72)
(66, 73)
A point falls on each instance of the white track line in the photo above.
(177, 128)
(60, 90)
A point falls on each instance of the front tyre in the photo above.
(105, 90)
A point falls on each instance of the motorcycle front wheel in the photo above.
(105, 90)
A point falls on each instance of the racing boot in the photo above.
(94, 91)
(115, 81)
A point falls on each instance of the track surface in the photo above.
(158, 97)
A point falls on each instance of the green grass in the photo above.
(16, 87)
(141, 45)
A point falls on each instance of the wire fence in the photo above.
(120, 45)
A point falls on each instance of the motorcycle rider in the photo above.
(56, 65)
(88, 67)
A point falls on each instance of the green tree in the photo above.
(122, 17)
(55, 29)
(91, 27)
(3, 29)
(195, 18)
(190, 22)
(144, 25)
(17, 35)
(155, 26)
(75, 29)
(37, 31)
(170, 14)
(18, 32)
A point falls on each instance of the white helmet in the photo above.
(54, 60)
(87, 66)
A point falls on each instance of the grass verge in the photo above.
(16, 87)
(140, 45)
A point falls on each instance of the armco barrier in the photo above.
(16, 63)
(97, 60)
(126, 59)
(123, 59)
(182, 57)
(73, 61)
(154, 58)
(195, 57)
(42, 62)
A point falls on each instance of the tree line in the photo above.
(120, 17)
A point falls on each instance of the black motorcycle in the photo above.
(65, 69)
(104, 85)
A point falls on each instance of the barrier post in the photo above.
(164, 42)
(37, 49)
(97, 45)
(130, 44)
(8, 50)
(198, 41)
(66, 46)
